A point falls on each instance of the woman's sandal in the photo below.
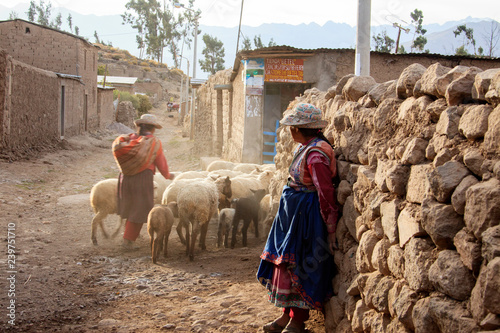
(294, 329)
(273, 327)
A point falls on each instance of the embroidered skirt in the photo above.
(296, 266)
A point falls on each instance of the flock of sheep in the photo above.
(230, 191)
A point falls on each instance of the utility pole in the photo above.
(239, 28)
(362, 60)
(407, 30)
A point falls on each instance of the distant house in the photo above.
(121, 83)
(48, 78)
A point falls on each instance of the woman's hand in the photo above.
(332, 242)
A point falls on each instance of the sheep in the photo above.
(162, 186)
(197, 203)
(218, 165)
(246, 209)
(225, 222)
(242, 185)
(246, 167)
(103, 199)
(225, 173)
(192, 175)
(160, 221)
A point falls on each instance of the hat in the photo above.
(148, 119)
(304, 115)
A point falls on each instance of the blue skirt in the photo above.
(298, 237)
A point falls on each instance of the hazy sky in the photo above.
(256, 12)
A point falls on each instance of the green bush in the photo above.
(144, 104)
(126, 96)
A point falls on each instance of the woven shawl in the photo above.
(135, 155)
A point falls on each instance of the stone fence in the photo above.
(419, 239)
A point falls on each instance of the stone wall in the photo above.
(419, 239)
(105, 109)
(29, 113)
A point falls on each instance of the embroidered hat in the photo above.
(304, 115)
(148, 119)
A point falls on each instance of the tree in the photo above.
(44, 11)
(246, 44)
(272, 42)
(417, 18)
(468, 37)
(70, 22)
(214, 55)
(257, 41)
(13, 15)
(96, 37)
(491, 38)
(383, 43)
(57, 23)
(77, 30)
(31, 12)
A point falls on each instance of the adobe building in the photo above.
(48, 83)
(237, 110)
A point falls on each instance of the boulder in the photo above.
(418, 184)
(389, 211)
(460, 90)
(430, 78)
(458, 196)
(379, 256)
(492, 287)
(344, 191)
(396, 261)
(469, 249)
(492, 136)
(441, 222)
(357, 86)
(349, 215)
(407, 80)
(450, 316)
(381, 174)
(379, 91)
(370, 287)
(449, 276)
(474, 122)
(409, 224)
(444, 179)
(342, 82)
(482, 206)
(422, 317)
(482, 83)
(449, 121)
(331, 92)
(444, 155)
(385, 115)
(415, 152)
(436, 108)
(418, 260)
(491, 243)
(397, 178)
(380, 296)
(493, 94)
(402, 301)
(358, 315)
(476, 303)
(473, 160)
(449, 77)
(365, 251)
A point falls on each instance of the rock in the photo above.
(491, 243)
(449, 121)
(436, 108)
(418, 185)
(365, 251)
(445, 155)
(380, 174)
(492, 136)
(331, 93)
(380, 297)
(379, 91)
(418, 260)
(444, 179)
(449, 77)
(482, 207)
(389, 211)
(482, 83)
(406, 82)
(396, 261)
(350, 214)
(343, 191)
(334, 313)
(357, 86)
(379, 256)
(370, 287)
(490, 322)
(460, 90)
(415, 152)
(403, 301)
(449, 276)
(396, 326)
(492, 287)
(441, 222)
(493, 94)
(422, 318)
(409, 224)
(357, 318)
(450, 316)
(469, 249)
(386, 111)
(476, 303)
(342, 82)
(474, 122)
(458, 196)
(430, 78)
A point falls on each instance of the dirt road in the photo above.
(54, 280)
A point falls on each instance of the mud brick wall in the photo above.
(419, 239)
(105, 109)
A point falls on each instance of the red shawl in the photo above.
(134, 155)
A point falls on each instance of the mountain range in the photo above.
(440, 37)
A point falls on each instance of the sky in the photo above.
(256, 12)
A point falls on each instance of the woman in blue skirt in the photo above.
(297, 264)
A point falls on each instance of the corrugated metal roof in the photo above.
(117, 79)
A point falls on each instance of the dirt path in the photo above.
(60, 282)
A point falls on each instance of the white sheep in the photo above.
(247, 167)
(242, 186)
(192, 175)
(160, 221)
(197, 202)
(225, 173)
(226, 217)
(220, 165)
(162, 186)
(103, 199)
